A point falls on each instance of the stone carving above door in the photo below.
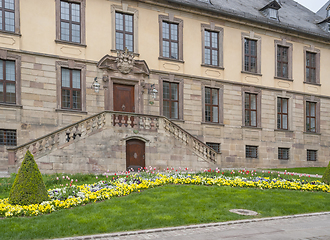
(124, 63)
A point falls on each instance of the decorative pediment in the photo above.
(273, 5)
(124, 63)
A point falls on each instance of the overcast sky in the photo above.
(313, 5)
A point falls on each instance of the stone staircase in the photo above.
(166, 141)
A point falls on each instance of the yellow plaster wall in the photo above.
(38, 30)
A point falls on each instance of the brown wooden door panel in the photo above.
(123, 101)
(123, 98)
(135, 154)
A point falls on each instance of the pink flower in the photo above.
(96, 177)
(57, 178)
(76, 180)
(63, 177)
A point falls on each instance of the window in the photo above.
(215, 146)
(283, 54)
(7, 82)
(211, 51)
(250, 55)
(8, 137)
(70, 25)
(310, 67)
(70, 86)
(282, 113)
(272, 13)
(7, 15)
(124, 31)
(283, 153)
(71, 89)
(282, 61)
(251, 109)
(170, 37)
(328, 12)
(170, 40)
(211, 105)
(212, 42)
(311, 155)
(251, 151)
(310, 116)
(70, 22)
(171, 100)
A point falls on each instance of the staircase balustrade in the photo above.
(65, 136)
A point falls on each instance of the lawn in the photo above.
(308, 170)
(170, 205)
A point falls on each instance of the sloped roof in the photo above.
(292, 15)
(323, 10)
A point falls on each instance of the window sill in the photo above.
(252, 73)
(283, 130)
(312, 133)
(10, 33)
(71, 111)
(70, 43)
(212, 66)
(176, 120)
(134, 54)
(259, 128)
(8, 105)
(285, 79)
(170, 59)
(211, 123)
(317, 84)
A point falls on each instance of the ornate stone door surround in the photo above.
(123, 69)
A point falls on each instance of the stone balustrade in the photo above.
(82, 129)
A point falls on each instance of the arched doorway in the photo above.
(135, 154)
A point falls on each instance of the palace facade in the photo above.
(91, 85)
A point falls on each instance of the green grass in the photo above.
(309, 170)
(170, 205)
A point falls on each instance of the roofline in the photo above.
(245, 16)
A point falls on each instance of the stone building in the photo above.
(91, 85)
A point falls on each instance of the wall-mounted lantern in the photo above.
(152, 91)
(96, 86)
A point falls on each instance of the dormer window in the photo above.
(271, 10)
(272, 13)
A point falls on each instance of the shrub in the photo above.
(326, 175)
(28, 187)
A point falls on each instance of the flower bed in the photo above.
(70, 196)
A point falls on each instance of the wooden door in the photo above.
(135, 154)
(123, 100)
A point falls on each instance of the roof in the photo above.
(323, 10)
(292, 15)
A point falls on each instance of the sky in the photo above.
(313, 5)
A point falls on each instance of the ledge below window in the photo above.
(250, 127)
(252, 73)
(176, 120)
(312, 133)
(285, 79)
(170, 59)
(71, 43)
(211, 123)
(212, 66)
(283, 130)
(10, 33)
(317, 84)
(8, 105)
(70, 111)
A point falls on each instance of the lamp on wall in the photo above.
(152, 91)
(96, 85)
